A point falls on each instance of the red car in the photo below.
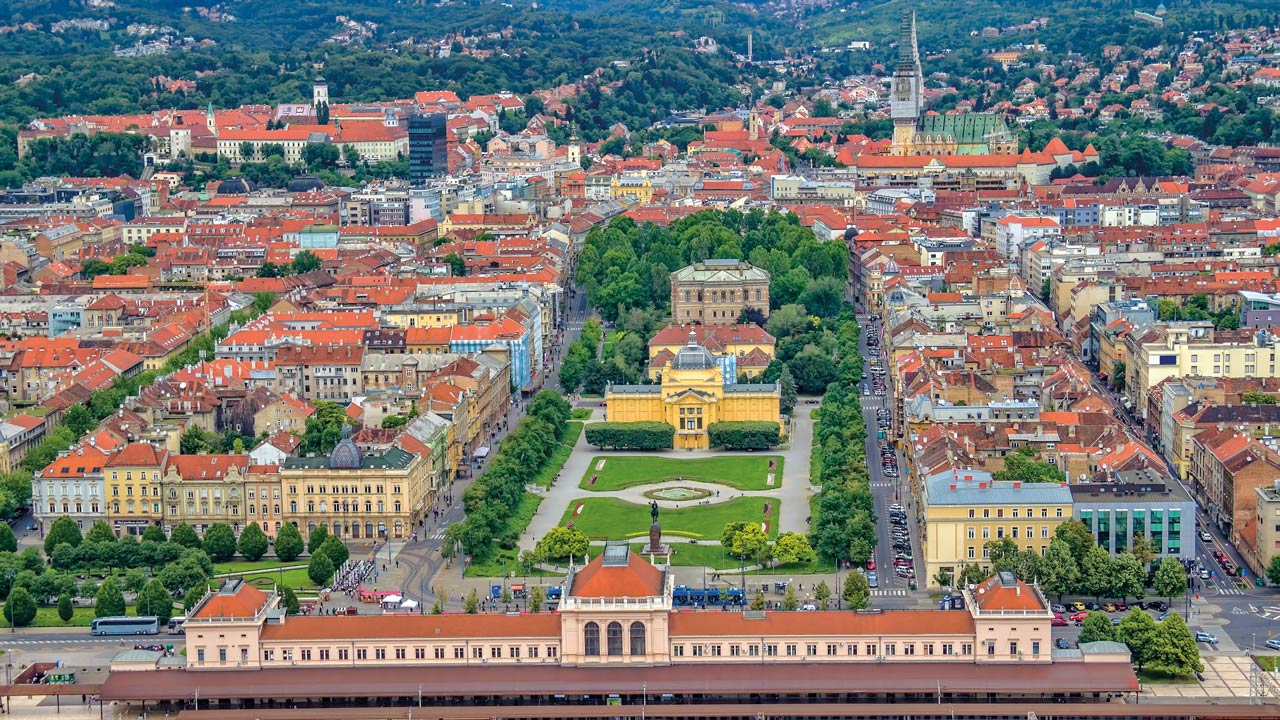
(1058, 620)
(1079, 617)
(871, 564)
(1121, 607)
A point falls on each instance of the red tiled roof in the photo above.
(244, 603)
(889, 622)
(415, 626)
(637, 579)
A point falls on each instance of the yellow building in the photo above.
(692, 396)
(966, 509)
(202, 490)
(639, 189)
(354, 494)
(131, 478)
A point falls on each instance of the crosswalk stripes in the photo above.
(77, 641)
(888, 593)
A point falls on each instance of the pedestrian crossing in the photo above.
(436, 536)
(888, 593)
(5, 642)
(1230, 591)
(881, 484)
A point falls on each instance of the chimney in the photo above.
(953, 485)
(1017, 483)
(982, 486)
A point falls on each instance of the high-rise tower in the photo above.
(906, 100)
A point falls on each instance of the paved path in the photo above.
(793, 492)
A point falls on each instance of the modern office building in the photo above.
(428, 147)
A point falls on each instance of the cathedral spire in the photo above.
(908, 51)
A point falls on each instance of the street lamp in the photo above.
(9, 574)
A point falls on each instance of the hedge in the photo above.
(631, 435)
(744, 434)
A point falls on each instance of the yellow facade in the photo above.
(132, 481)
(958, 527)
(639, 190)
(691, 397)
(424, 317)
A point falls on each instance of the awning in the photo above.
(482, 452)
(410, 604)
(392, 599)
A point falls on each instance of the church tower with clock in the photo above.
(906, 98)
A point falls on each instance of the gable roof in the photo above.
(635, 579)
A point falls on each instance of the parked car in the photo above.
(1205, 637)
(1078, 618)
(1058, 620)
(1062, 644)
(872, 580)
(1121, 607)
(1076, 606)
(1205, 536)
(1109, 607)
(1274, 643)
(1058, 608)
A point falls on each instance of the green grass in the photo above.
(492, 566)
(713, 557)
(48, 617)
(1267, 662)
(559, 456)
(248, 566)
(1151, 677)
(610, 518)
(744, 472)
(580, 414)
(296, 579)
(610, 339)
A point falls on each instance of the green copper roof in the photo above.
(971, 130)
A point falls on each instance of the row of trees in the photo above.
(1165, 647)
(854, 591)
(843, 527)
(494, 498)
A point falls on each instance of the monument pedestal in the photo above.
(655, 547)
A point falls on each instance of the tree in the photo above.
(193, 598)
(1095, 572)
(79, 419)
(315, 539)
(1171, 579)
(1136, 630)
(155, 600)
(1273, 571)
(290, 600)
(792, 547)
(253, 542)
(1001, 553)
(822, 593)
(1173, 650)
(1143, 550)
(1097, 627)
(336, 550)
(219, 542)
(305, 261)
(535, 600)
(184, 535)
(1020, 467)
(100, 532)
(562, 542)
(65, 609)
(1118, 374)
(472, 604)
(110, 601)
(757, 602)
(154, 533)
(1129, 577)
(288, 543)
(20, 608)
(63, 530)
(457, 265)
(1061, 573)
(856, 593)
(1077, 537)
(744, 540)
(788, 385)
(943, 579)
(320, 569)
(789, 601)
(8, 542)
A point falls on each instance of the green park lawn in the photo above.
(613, 519)
(81, 617)
(714, 557)
(580, 414)
(236, 567)
(744, 472)
(296, 579)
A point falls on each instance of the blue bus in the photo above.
(144, 625)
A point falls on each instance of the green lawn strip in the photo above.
(744, 472)
(559, 456)
(610, 518)
(1151, 677)
(240, 567)
(81, 617)
(1267, 662)
(580, 414)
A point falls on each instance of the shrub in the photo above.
(647, 435)
(744, 434)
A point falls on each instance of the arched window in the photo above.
(637, 638)
(591, 639)
(615, 638)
